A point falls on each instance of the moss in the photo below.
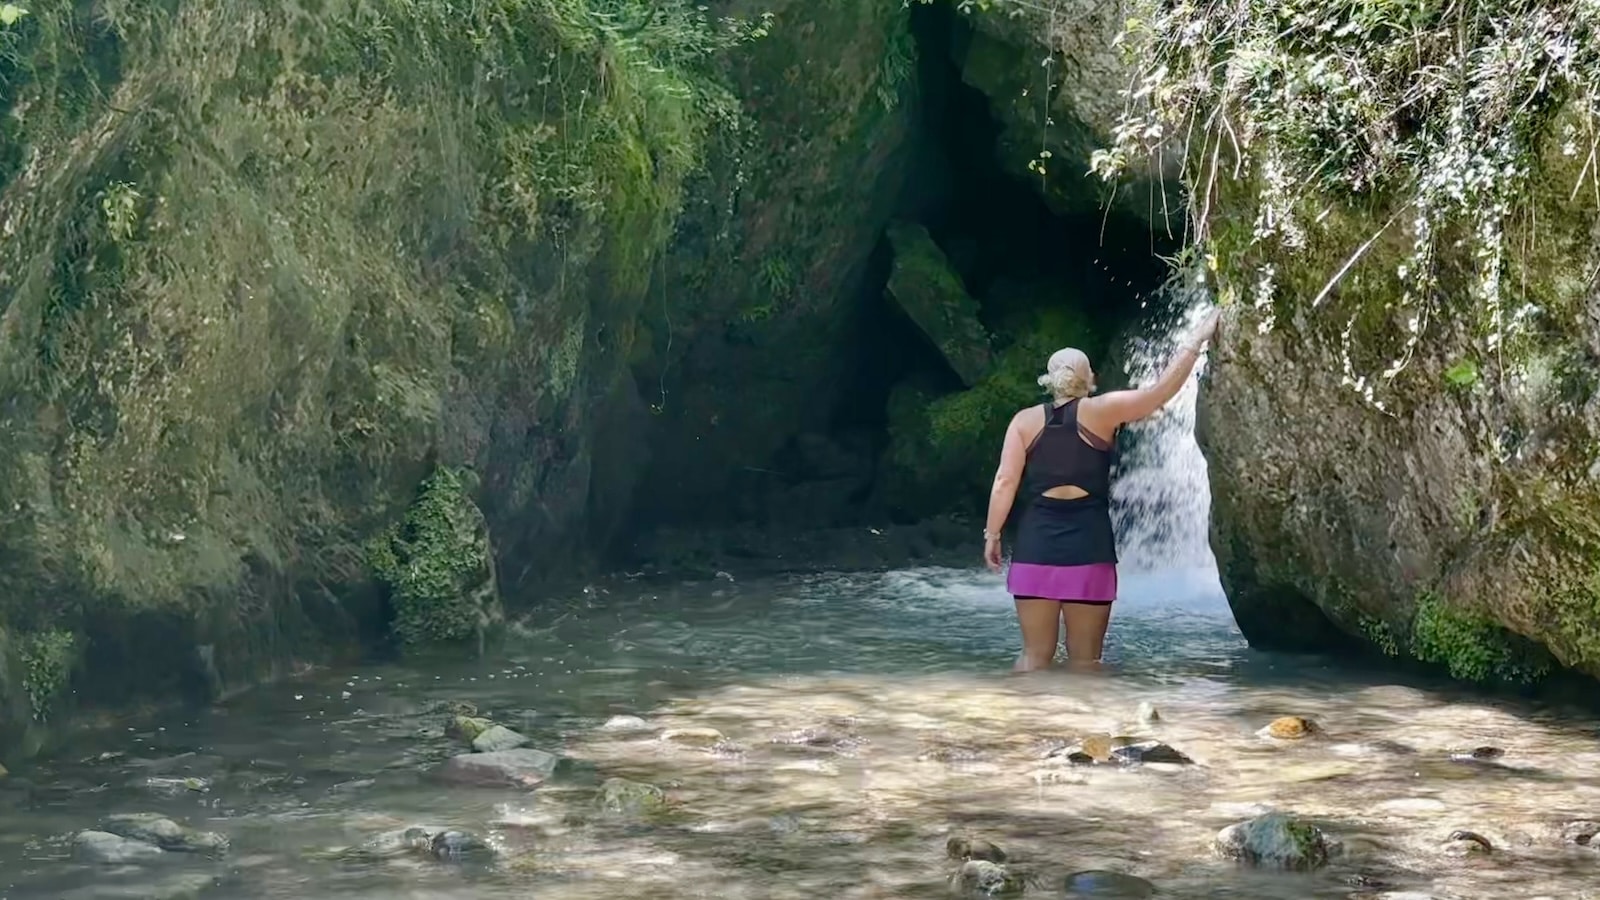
(943, 446)
(1379, 634)
(1472, 646)
(48, 658)
(438, 567)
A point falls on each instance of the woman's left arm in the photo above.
(1004, 492)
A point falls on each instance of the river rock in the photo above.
(524, 767)
(625, 725)
(985, 878)
(1149, 752)
(496, 738)
(1290, 728)
(1147, 713)
(113, 849)
(458, 846)
(467, 728)
(964, 848)
(1467, 843)
(1478, 754)
(1097, 883)
(630, 798)
(1275, 840)
(692, 737)
(164, 833)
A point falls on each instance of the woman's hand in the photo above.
(1207, 329)
(991, 553)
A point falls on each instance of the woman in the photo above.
(1064, 565)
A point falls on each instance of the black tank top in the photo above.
(1065, 532)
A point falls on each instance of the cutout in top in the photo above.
(1066, 492)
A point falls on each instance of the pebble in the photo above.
(1291, 728)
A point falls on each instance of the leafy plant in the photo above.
(47, 661)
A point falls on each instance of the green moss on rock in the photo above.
(438, 566)
(1472, 646)
(928, 288)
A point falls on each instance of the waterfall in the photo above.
(1161, 500)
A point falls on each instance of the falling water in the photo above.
(1161, 500)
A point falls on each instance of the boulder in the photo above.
(113, 849)
(1275, 841)
(526, 768)
(925, 285)
(467, 727)
(965, 848)
(163, 832)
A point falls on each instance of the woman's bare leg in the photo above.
(1086, 625)
(1041, 631)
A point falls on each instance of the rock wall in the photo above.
(266, 268)
(1462, 528)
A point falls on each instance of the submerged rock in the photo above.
(1581, 832)
(631, 798)
(152, 828)
(1478, 754)
(984, 878)
(1098, 883)
(626, 725)
(496, 738)
(1291, 728)
(1121, 750)
(113, 849)
(1467, 843)
(458, 846)
(693, 737)
(963, 848)
(1150, 752)
(505, 768)
(1276, 841)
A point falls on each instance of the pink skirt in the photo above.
(1093, 583)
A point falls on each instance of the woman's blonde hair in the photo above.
(1068, 375)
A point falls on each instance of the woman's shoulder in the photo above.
(1029, 417)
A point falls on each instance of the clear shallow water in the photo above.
(909, 670)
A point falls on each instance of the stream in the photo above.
(826, 735)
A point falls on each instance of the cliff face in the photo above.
(266, 269)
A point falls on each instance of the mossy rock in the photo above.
(928, 288)
(438, 565)
(619, 796)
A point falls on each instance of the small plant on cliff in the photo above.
(1428, 117)
(436, 564)
(47, 660)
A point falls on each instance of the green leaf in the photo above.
(1463, 374)
(11, 13)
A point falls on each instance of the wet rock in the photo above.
(1467, 843)
(981, 877)
(112, 849)
(506, 768)
(1097, 883)
(1291, 728)
(1478, 754)
(163, 832)
(820, 738)
(631, 798)
(1276, 841)
(1150, 752)
(3, 772)
(467, 728)
(496, 738)
(458, 846)
(964, 848)
(626, 725)
(1147, 713)
(693, 737)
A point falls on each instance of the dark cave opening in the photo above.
(1014, 255)
(1012, 252)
